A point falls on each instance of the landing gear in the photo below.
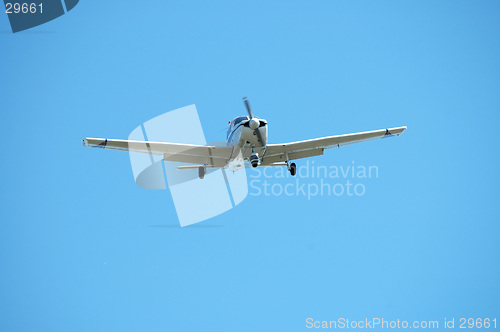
(201, 172)
(291, 167)
(254, 159)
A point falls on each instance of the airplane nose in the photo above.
(254, 123)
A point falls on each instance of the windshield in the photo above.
(234, 123)
(239, 119)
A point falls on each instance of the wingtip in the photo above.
(403, 128)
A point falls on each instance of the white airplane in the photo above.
(245, 134)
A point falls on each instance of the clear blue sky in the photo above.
(82, 248)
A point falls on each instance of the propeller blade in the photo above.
(256, 131)
(247, 104)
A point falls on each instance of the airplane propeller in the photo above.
(247, 104)
(254, 122)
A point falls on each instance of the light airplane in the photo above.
(247, 142)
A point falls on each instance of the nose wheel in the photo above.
(254, 159)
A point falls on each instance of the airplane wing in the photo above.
(315, 147)
(214, 156)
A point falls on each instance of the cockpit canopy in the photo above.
(239, 119)
(235, 122)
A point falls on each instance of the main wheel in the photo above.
(293, 169)
(201, 172)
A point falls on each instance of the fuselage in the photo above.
(240, 133)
